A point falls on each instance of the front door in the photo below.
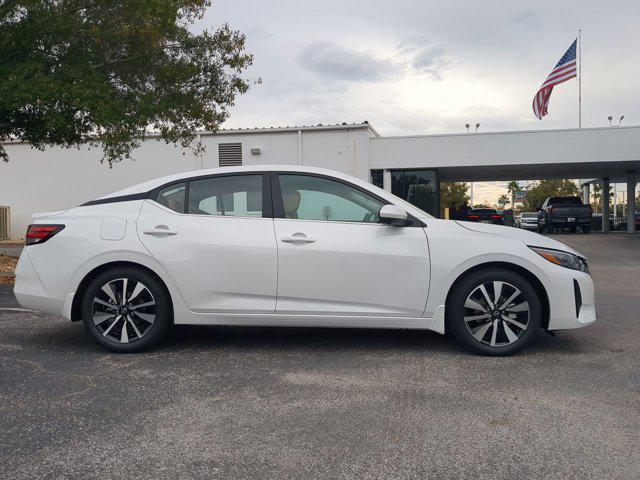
(214, 238)
(335, 258)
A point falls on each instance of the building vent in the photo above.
(230, 154)
(5, 219)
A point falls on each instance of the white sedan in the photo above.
(285, 246)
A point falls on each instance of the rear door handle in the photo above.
(159, 230)
(298, 238)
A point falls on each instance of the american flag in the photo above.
(564, 70)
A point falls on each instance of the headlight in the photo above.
(564, 259)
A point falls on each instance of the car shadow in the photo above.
(64, 336)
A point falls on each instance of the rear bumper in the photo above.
(565, 221)
(30, 290)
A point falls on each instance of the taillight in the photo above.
(496, 217)
(474, 217)
(41, 233)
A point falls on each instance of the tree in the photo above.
(453, 193)
(502, 201)
(110, 72)
(597, 198)
(549, 188)
(513, 188)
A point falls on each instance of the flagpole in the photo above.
(579, 78)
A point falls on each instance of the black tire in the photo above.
(572, 229)
(548, 228)
(134, 324)
(586, 229)
(462, 330)
(540, 229)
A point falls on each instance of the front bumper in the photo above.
(529, 226)
(563, 305)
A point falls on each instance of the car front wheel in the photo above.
(494, 312)
(126, 310)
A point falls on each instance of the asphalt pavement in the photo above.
(298, 403)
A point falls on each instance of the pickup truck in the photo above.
(564, 212)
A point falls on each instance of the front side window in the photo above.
(315, 198)
(173, 197)
(237, 196)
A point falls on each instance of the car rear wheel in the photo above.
(126, 310)
(494, 312)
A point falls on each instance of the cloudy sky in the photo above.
(424, 66)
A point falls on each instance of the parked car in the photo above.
(564, 212)
(528, 220)
(485, 215)
(303, 246)
(623, 222)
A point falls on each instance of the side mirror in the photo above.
(393, 215)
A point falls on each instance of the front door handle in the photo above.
(298, 238)
(159, 230)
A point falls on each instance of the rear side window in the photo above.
(173, 197)
(233, 195)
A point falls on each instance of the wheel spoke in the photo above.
(146, 304)
(521, 307)
(124, 336)
(124, 290)
(497, 291)
(511, 298)
(139, 288)
(135, 328)
(106, 332)
(514, 322)
(486, 296)
(471, 318)
(109, 291)
(474, 305)
(510, 335)
(101, 317)
(481, 331)
(147, 317)
(494, 333)
(102, 302)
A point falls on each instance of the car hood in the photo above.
(530, 238)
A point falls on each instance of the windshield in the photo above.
(569, 200)
(529, 215)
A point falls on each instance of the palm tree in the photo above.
(513, 188)
(502, 201)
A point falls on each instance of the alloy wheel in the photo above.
(124, 310)
(496, 313)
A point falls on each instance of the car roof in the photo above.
(157, 182)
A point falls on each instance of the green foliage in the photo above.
(549, 188)
(453, 193)
(502, 201)
(111, 72)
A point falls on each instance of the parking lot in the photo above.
(295, 403)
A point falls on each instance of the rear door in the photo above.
(214, 236)
(335, 258)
